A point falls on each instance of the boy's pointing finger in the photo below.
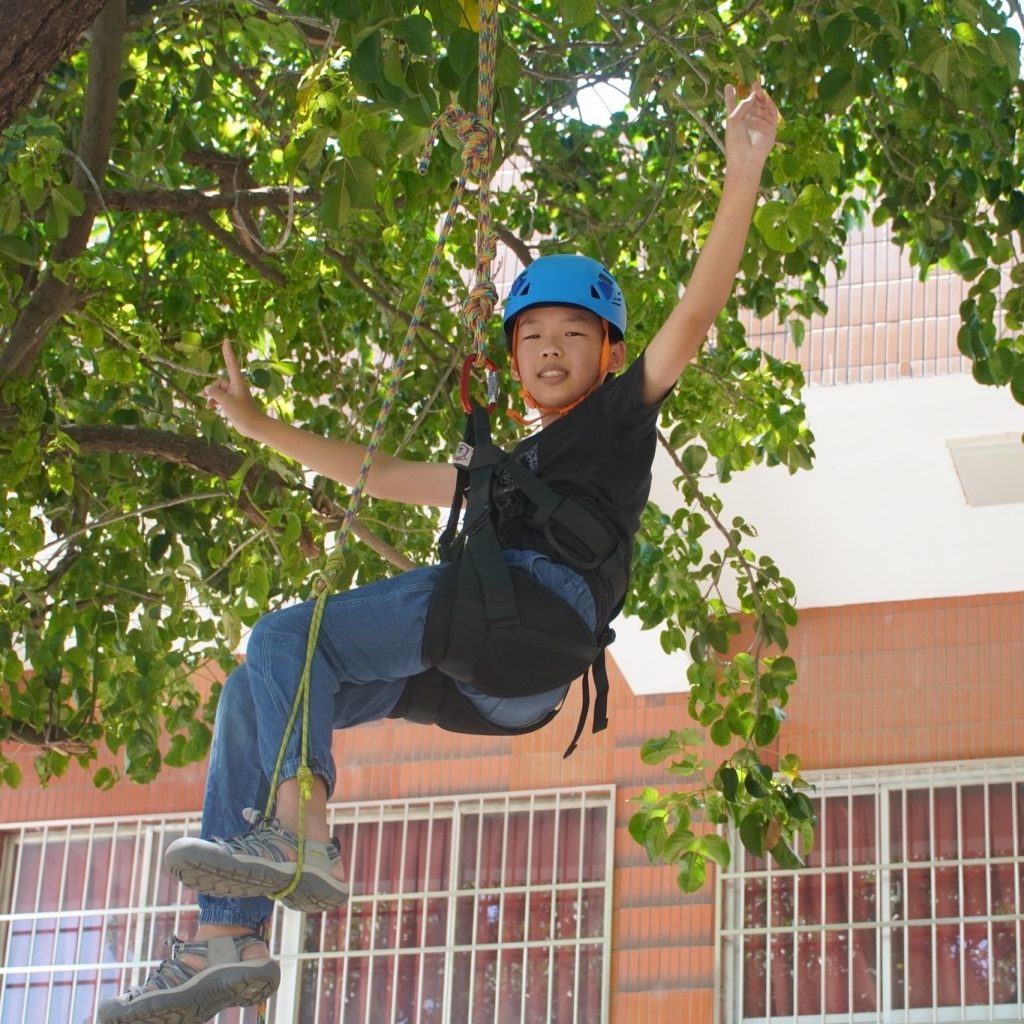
(234, 370)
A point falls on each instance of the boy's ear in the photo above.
(513, 372)
(617, 358)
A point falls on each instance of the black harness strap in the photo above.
(495, 627)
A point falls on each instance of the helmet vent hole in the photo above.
(607, 286)
(594, 292)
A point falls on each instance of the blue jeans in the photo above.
(368, 647)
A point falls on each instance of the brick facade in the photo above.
(891, 683)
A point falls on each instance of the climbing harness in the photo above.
(495, 627)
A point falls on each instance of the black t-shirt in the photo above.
(601, 451)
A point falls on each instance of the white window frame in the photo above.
(150, 833)
(880, 783)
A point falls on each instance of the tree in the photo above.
(248, 169)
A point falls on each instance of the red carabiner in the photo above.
(492, 384)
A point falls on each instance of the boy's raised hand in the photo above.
(749, 129)
(232, 396)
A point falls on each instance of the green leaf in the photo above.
(657, 750)
(753, 833)
(997, 370)
(837, 32)
(16, 250)
(464, 52)
(771, 220)
(721, 734)
(577, 14)
(678, 842)
(766, 728)
(783, 855)
(802, 808)
(335, 205)
(693, 459)
(688, 737)
(116, 366)
(716, 848)
(692, 871)
(12, 774)
(69, 199)
(359, 180)
(752, 784)
(366, 61)
(638, 827)
(730, 782)
(883, 51)
(1017, 382)
(417, 31)
(832, 84)
(784, 666)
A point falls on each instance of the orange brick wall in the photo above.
(879, 684)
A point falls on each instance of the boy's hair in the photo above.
(566, 280)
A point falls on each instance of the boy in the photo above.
(565, 322)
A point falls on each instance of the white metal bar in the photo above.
(399, 907)
(1015, 788)
(502, 878)
(425, 915)
(373, 917)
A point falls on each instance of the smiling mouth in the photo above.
(553, 375)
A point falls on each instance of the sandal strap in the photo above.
(225, 949)
(170, 974)
(269, 841)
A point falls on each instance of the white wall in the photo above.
(881, 517)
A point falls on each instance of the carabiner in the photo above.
(492, 384)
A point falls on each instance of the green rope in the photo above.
(477, 136)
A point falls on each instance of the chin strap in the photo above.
(532, 403)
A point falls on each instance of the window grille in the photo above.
(909, 908)
(491, 909)
(883, 322)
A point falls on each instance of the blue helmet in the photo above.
(567, 280)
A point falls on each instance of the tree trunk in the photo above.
(35, 36)
(52, 297)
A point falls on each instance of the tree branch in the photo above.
(52, 298)
(515, 243)
(215, 460)
(232, 244)
(749, 570)
(195, 200)
(348, 268)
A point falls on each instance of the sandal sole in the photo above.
(201, 998)
(213, 871)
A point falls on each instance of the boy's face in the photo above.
(558, 353)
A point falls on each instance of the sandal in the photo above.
(176, 993)
(259, 863)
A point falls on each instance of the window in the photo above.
(909, 908)
(463, 910)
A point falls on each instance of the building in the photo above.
(494, 881)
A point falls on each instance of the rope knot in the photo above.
(479, 308)
(305, 779)
(476, 134)
(477, 137)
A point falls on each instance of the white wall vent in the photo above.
(991, 469)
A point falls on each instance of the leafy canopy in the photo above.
(261, 185)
